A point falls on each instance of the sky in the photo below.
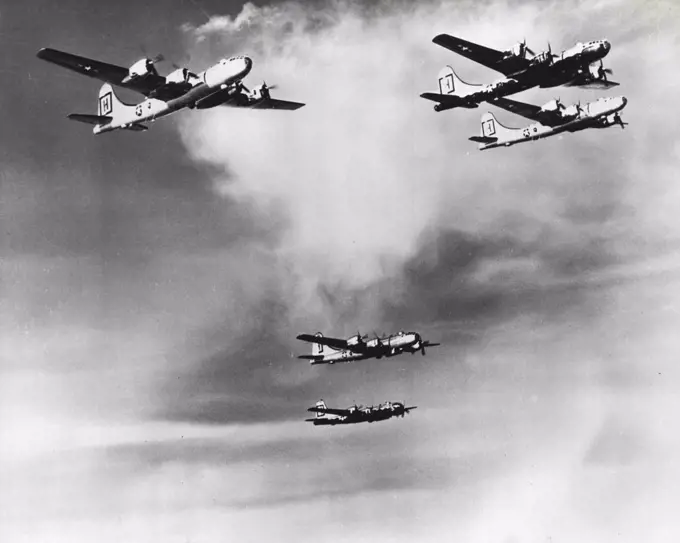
(153, 284)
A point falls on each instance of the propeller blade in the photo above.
(603, 71)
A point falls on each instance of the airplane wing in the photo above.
(255, 102)
(529, 111)
(273, 103)
(329, 411)
(496, 60)
(109, 73)
(592, 84)
(332, 342)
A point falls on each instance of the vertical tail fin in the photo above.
(109, 104)
(317, 348)
(493, 133)
(493, 129)
(450, 83)
(322, 405)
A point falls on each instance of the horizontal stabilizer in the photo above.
(441, 98)
(600, 85)
(448, 101)
(137, 127)
(90, 119)
(478, 139)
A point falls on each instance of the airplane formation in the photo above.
(222, 85)
(578, 66)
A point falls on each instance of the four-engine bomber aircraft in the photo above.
(356, 414)
(579, 66)
(356, 348)
(220, 84)
(551, 119)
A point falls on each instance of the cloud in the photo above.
(384, 217)
(366, 173)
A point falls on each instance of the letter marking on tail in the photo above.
(105, 104)
(446, 84)
(488, 128)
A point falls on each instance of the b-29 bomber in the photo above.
(326, 416)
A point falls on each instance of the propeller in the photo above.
(406, 410)
(603, 72)
(578, 107)
(151, 60)
(526, 48)
(619, 121)
(264, 90)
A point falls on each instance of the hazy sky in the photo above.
(153, 284)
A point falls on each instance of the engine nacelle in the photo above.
(595, 70)
(355, 340)
(570, 112)
(517, 50)
(181, 75)
(141, 68)
(551, 107)
(542, 58)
